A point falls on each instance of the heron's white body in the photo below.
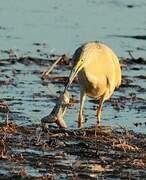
(101, 74)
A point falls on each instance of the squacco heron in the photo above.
(98, 71)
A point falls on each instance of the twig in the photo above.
(47, 72)
(130, 54)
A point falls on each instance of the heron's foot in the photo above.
(97, 128)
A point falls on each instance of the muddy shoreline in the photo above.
(29, 153)
(113, 153)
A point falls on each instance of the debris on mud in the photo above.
(27, 152)
(71, 153)
(64, 59)
(4, 108)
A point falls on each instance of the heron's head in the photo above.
(78, 64)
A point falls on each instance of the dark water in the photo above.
(60, 27)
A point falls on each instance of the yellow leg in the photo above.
(98, 114)
(81, 117)
(99, 119)
(99, 110)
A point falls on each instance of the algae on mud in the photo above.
(71, 153)
(25, 150)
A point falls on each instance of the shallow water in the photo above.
(64, 25)
(60, 27)
(31, 98)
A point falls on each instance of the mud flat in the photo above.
(29, 153)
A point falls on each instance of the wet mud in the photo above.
(27, 152)
(30, 153)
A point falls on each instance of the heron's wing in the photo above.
(112, 56)
(117, 70)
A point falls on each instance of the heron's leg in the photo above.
(82, 101)
(99, 110)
